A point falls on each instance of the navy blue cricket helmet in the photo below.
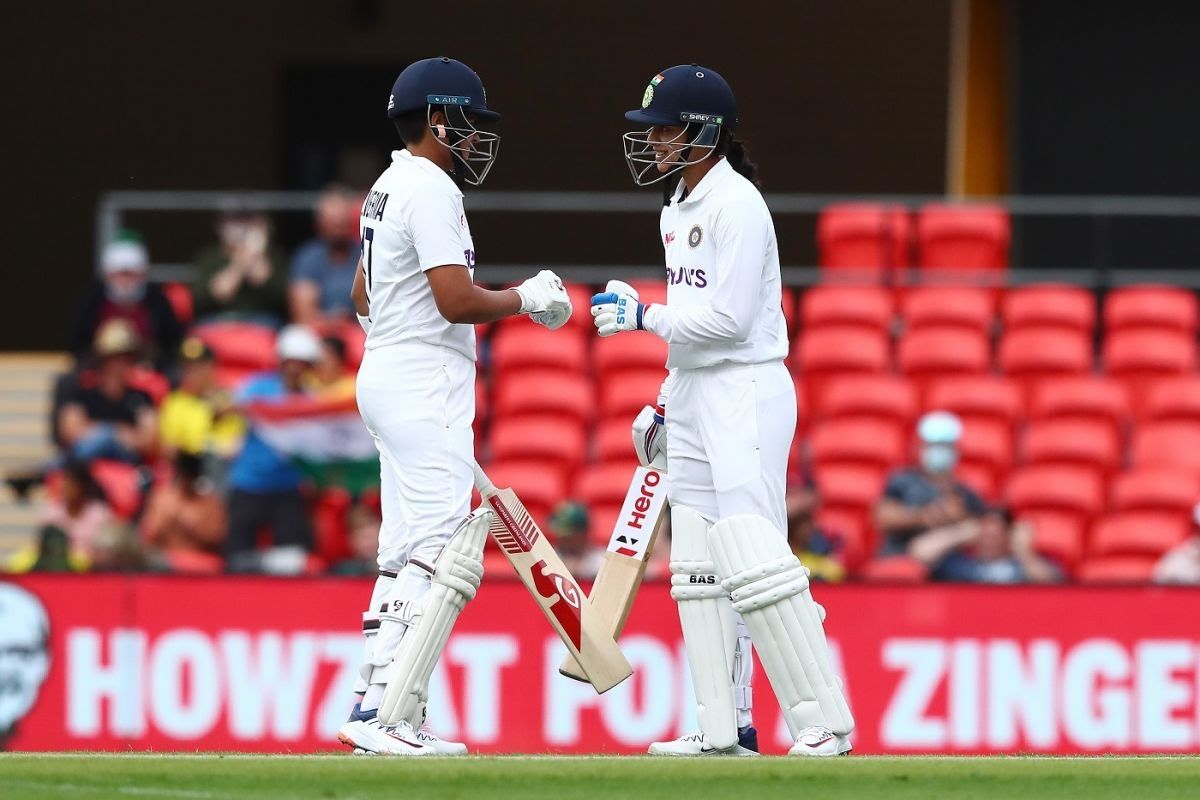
(690, 95)
(449, 86)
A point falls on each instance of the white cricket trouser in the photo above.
(418, 401)
(729, 429)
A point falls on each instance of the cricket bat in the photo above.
(589, 640)
(624, 564)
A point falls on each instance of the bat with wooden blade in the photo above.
(624, 564)
(589, 640)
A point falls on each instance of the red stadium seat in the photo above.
(1167, 444)
(858, 306)
(1140, 357)
(1048, 305)
(613, 442)
(1058, 537)
(1117, 569)
(894, 569)
(1091, 397)
(983, 397)
(545, 393)
(1155, 307)
(538, 439)
(602, 518)
(790, 314)
(988, 444)
(625, 398)
(980, 478)
(530, 346)
(1158, 489)
(331, 526)
(627, 352)
(849, 528)
(179, 295)
(152, 383)
(885, 397)
(482, 405)
(823, 353)
(858, 440)
(851, 491)
(1069, 490)
(1085, 442)
(948, 306)
(122, 485)
(968, 240)
(928, 354)
(239, 344)
(603, 484)
(1137, 533)
(1031, 355)
(863, 242)
(1173, 400)
(541, 485)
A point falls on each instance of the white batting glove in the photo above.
(650, 437)
(617, 309)
(545, 300)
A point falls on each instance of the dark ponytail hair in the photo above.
(738, 155)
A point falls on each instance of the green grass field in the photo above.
(200, 777)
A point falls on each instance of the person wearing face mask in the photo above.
(926, 496)
(123, 292)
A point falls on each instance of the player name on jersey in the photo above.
(374, 204)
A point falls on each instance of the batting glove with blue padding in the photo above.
(617, 309)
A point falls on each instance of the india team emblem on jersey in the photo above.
(694, 236)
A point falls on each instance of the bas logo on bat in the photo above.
(567, 606)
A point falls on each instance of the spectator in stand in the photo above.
(103, 416)
(332, 375)
(990, 549)
(123, 292)
(818, 549)
(264, 484)
(1181, 564)
(364, 545)
(185, 520)
(242, 276)
(569, 527)
(322, 270)
(199, 418)
(70, 525)
(927, 496)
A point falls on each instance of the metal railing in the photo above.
(1101, 210)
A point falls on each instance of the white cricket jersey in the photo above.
(723, 284)
(412, 221)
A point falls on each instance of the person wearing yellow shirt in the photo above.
(198, 418)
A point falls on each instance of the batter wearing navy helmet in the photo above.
(415, 296)
(728, 407)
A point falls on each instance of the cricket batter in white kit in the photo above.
(729, 411)
(416, 391)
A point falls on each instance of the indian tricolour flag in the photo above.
(325, 438)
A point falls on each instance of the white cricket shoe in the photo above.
(374, 738)
(694, 744)
(442, 746)
(817, 741)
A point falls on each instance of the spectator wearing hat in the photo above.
(926, 496)
(264, 484)
(123, 292)
(103, 415)
(242, 275)
(199, 417)
(994, 548)
(569, 526)
(322, 270)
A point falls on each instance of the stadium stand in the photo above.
(965, 307)
(1049, 305)
(857, 306)
(863, 242)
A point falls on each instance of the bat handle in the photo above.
(482, 482)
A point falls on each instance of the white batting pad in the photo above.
(456, 578)
(769, 588)
(707, 620)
